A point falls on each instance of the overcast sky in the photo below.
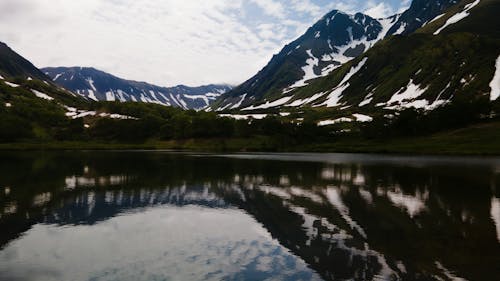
(166, 42)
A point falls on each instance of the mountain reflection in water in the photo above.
(162, 216)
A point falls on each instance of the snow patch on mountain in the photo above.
(334, 121)
(182, 102)
(401, 29)
(238, 104)
(41, 95)
(437, 18)
(339, 56)
(110, 96)
(410, 92)
(244, 116)
(116, 116)
(386, 23)
(97, 85)
(91, 83)
(267, 105)
(362, 118)
(407, 98)
(458, 17)
(334, 97)
(308, 69)
(354, 70)
(11, 84)
(301, 102)
(368, 99)
(92, 95)
(74, 113)
(198, 97)
(122, 95)
(57, 76)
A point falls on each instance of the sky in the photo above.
(167, 42)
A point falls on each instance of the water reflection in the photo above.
(181, 244)
(495, 214)
(247, 217)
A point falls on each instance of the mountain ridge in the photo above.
(98, 85)
(335, 39)
(284, 75)
(14, 65)
(443, 76)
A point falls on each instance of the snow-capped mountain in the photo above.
(453, 57)
(334, 40)
(97, 85)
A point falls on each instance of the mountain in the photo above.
(98, 85)
(31, 106)
(454, 58)
(419, 14)
(20, 79)
(34, 109)
(333, 41)
(14, 65)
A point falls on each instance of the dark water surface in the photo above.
(172, 216)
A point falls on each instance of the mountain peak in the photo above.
(334, 40)
(14, 65)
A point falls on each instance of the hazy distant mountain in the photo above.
(98, 85)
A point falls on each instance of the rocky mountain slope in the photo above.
(419, 14)
(453, 58)
(334, 40)
(100, 86)
(32, 107)
(14, 65)
(334, 51)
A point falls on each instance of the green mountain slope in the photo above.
(443, 68)
(424, 70)
(14, 65)
(35, 113)
(33, 109)
(328, 44)
(482, 20)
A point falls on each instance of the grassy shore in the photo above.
(483, 139)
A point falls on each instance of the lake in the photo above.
(142, 215)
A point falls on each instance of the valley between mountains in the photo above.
(426, 80)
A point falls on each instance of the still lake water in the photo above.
(173, 216)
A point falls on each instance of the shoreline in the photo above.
(397, 147)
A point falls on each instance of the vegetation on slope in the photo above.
(31, 123)
(455, 66)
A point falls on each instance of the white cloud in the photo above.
(379, 10)
(405, 4)
(170, 42)
(306, 6)
(165, 42)
(271, 7)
